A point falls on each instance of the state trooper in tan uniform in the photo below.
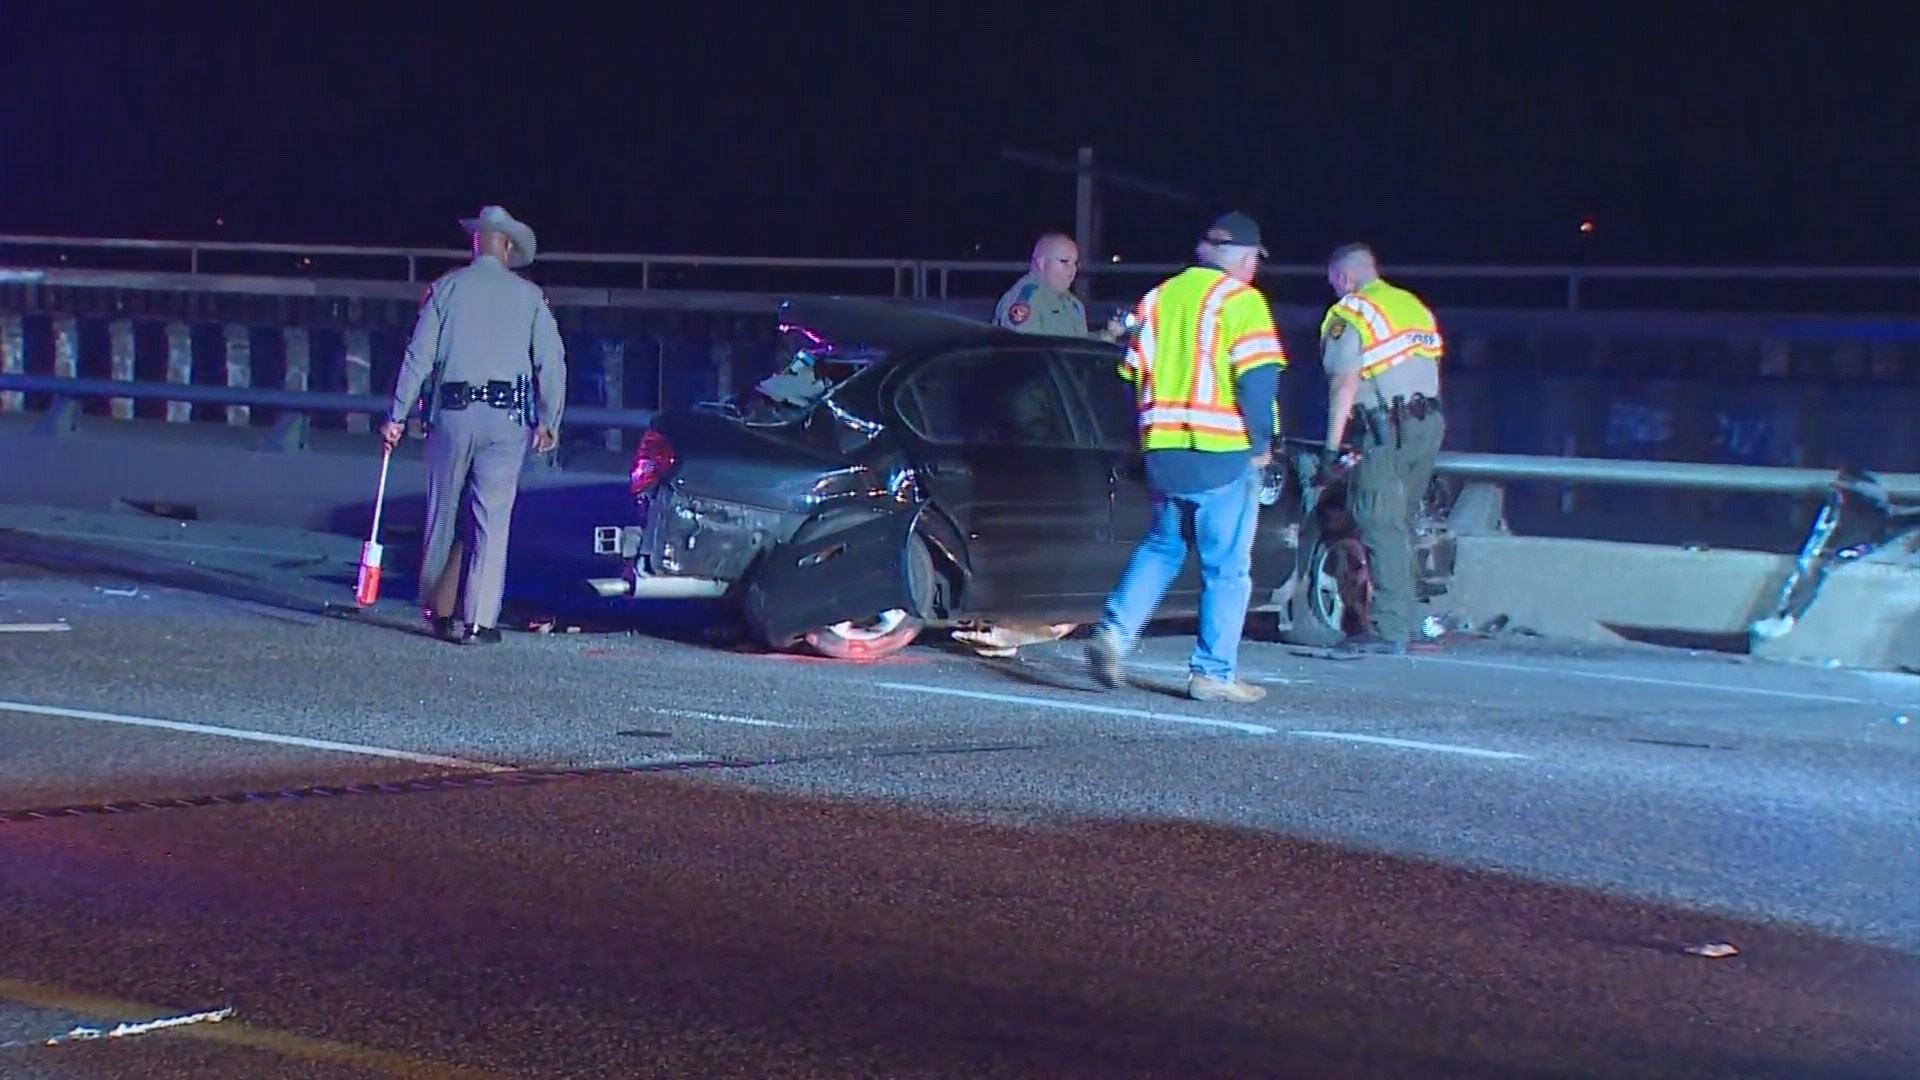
(487, 361)
(1042, 301)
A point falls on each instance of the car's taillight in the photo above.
(650, 462)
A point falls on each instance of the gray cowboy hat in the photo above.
(497, 219)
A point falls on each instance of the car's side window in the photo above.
(1108, 397)
(992, 397)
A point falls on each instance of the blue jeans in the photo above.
(1223, 522)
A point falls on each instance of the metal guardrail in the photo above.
(1696, 476)
(303, 401)
(1689, 475)
(928, 279)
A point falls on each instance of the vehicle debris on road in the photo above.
(127, 1029)
(1714, 950)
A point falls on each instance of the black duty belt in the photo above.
(1417, 407)
(1376, 419)
(515, 396)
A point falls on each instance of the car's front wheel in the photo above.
(885, 632)
(1334, 592)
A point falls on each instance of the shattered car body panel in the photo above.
(922, 466)
(1857, 522)
(850, 568)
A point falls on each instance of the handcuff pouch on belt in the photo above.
(515, 397)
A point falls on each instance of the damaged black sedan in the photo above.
(909, 469)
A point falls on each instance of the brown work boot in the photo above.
(1103, 658)
(1203, 688)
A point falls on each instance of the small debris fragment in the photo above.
(131, 591)
(1716, 950)
(125, 1029)
(1903, 720)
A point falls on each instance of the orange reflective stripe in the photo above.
(1254, 348)
(1206, 344)
(1406, 345)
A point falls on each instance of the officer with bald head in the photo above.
(1042, 301)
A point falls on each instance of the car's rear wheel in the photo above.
(886, 632)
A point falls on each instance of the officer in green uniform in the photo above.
(1382, 347)
(1042, 302)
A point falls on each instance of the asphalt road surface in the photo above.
(602, 855)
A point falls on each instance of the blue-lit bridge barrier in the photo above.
(648, 331)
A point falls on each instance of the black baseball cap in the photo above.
(1236, 229)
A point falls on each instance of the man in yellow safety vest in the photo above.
(1205, 363)
(1381, 347)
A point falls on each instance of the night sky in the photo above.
(1779, 136)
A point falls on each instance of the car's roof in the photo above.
(888, 325)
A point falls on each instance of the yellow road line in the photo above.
(233, 1033)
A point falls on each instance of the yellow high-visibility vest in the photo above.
(1394, 326)
(1198, 331)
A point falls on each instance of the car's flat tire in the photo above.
(890, 631)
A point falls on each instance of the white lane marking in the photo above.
(1412, 744)
(721, 718)
(33, 627)
(246, 735)
(1649, 680)
(1073, 706)
(1182, 669)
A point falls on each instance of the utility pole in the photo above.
(1087, 216)
(1084, 214)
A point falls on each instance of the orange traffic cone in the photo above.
(366, 588)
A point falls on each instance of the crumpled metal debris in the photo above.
(1004, 639)
(1438, 626)
(127, 1029)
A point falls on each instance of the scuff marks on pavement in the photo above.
(444, 782)
(468, 781)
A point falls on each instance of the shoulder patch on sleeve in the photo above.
(1019, 312)
(1339, 327)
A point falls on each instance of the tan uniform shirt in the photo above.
(1032, 308)
(480, 323)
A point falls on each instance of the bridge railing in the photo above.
(1493, 468)
(1567, 287)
